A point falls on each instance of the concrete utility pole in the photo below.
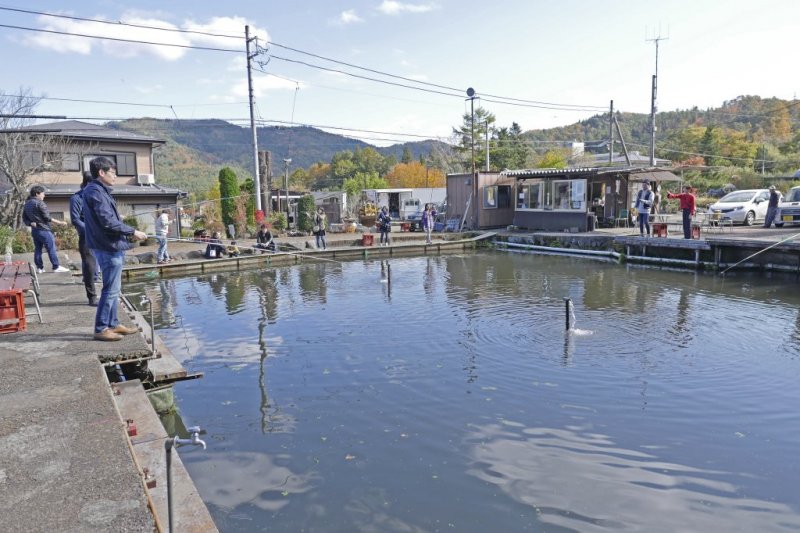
(611, 133)
(653, 103)
(252, 117)
(286, 185)
(487, 146)
(471, 95)
(265, 170)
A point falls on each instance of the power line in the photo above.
(118, 23)
(533, 103)
(117, 39)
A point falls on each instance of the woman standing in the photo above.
(385, 224)
(320, 223)
(428, 220)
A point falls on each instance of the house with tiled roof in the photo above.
(137, 191)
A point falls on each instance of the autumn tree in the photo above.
(414, 174)
(25, 152)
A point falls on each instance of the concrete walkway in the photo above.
(65, 461)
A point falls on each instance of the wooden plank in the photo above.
(189, 511)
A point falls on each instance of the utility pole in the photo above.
(487, 146)
(471, 98)
(611, 133)
(252, 116)
(653, 103)
(265, 171)
(286, 186)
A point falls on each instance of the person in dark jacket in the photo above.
(264, 239)
(385, 225)
(88, 262)
(36, 215)
(215, 248)
(108, 238)
(772, 206)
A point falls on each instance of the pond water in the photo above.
(450, 397)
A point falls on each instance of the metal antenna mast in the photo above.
(653, 101)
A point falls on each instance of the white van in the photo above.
(789, 208)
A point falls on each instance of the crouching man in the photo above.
(108, 237)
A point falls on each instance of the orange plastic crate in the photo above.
(12, 311)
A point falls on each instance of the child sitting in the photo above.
(233, 250)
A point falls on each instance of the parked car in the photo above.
(789, 208)
(743, 207)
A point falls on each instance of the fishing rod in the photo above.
(789, 238)
(205, 243)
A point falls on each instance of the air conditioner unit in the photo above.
(146, 179)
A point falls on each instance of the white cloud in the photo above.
(391, 7)
(347, 17)
(221, 26)
(85, 46)
(261, 85)
(148, 89)
(232, 26)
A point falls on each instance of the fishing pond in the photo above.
(446, 393)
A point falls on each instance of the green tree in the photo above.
(249, 187)
(509, 149)
(406, 155)
(554, 159)
(305, 212)
(354, 186)
(465, 138)
(229, 191)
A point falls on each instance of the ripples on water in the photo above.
(451, 396)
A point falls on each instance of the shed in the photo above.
(578, 198)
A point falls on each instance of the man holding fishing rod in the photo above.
(688, 208)
(108, 237)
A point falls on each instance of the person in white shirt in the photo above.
(162, 229)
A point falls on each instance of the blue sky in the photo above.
(570, 53)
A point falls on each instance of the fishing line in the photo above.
(761, 251)
(196, 241)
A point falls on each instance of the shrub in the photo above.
(228, 191)
(23, 242)
(6, 238)
(132, 221)
(66, 237)
(278, 221)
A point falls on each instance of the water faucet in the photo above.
(194, 441)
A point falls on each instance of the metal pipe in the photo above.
(168, 444)
(145, 299)
(176, 442)
(567, 303)
(566, 251)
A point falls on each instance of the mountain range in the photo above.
(195, 150)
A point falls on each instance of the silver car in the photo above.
(743, 207)
(789, 212)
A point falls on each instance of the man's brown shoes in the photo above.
(114, 334)
(107, 335)
(125, 330)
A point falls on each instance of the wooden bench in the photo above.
(17, 279)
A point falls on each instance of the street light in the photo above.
(286, 186)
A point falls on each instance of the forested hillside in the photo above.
(197, 149)
(745, 136)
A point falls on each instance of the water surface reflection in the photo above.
(431, 393)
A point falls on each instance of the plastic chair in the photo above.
(624, 217)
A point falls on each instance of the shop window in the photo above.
(490, 197)
(569, 195)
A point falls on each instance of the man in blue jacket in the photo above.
(108, 238)
(88, 263)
